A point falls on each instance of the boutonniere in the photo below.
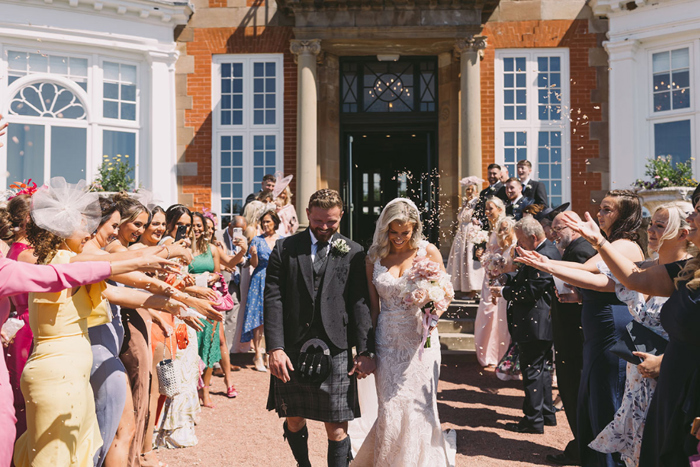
(340, 247)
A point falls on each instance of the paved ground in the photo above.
(240, 432)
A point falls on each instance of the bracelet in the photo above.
(600, 245)
(168, 250)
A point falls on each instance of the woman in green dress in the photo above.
(206, 261)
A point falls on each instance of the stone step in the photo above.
(456, 341)
(461, 309)
(457, 325)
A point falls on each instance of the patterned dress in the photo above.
(624, 433)
(254, 303)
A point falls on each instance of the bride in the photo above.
(407, 430)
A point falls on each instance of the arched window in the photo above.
(48, 132)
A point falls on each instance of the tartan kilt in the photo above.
(334, 400)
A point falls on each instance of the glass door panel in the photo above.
(68, 153)
(25, 153)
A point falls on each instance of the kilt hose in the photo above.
(335, 400)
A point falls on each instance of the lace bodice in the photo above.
(389, 287)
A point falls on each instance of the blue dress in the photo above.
(254, 304)
(676, 402)
(108, 379)
(604, 319)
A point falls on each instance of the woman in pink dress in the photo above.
(491, 337)
(282, 196)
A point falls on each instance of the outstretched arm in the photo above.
(653, 281)
(17, 278)
(573, 276)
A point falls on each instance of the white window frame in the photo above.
(247, 130)
(532, 124)
(92, 100)
(674, 115)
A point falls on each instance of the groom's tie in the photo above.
(320, 256)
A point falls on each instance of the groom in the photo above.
(316, 288)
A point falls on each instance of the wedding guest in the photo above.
(531, 188)
(282, 195)
(17, 352)
(568, 337)
(504, 174)
(267, 183)
(252, 214)
(604, 319)
(259, 252)
(176, 216)
(496, 188)
(466, 271)
(491, 336)
(516, 201)
(530, 294)
(675, 404)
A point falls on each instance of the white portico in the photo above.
(84, 79)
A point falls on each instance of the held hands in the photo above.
(651, 364)
(280, 365)
(363, 366)
(588, 229)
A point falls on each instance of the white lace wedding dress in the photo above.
(407, 431)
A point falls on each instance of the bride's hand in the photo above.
(363, 366)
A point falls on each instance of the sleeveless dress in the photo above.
(407, 430)
(207, 338)
(491, 336)
(603, 319)
(62, 427)
(467, 273)
(17, 353)
(108, 375)
(624, 433)
(254, 302)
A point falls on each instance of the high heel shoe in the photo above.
(231, 392)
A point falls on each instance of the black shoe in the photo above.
(550, 423)
(561, 459)
(520, 428)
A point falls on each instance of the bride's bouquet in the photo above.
(476, 235)
(428, 287)
(493, 264)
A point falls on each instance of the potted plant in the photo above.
(667, 182)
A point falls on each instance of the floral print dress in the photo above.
(624, 433)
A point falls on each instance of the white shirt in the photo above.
(525, 183)
(314, 246)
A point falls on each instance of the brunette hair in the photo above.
(629, 219)
(273, 215)
(533, 209)
(493, 166)
(200, 243)
(269, 178)
(265, 196)
(44, 242)
(326, 199)
(6, 232)
(18, 209)
(513, 179)
(108, 207)
(173, 214)
(129, 208)
(154, 211)
(524, 162)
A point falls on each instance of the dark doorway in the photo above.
(381, 166)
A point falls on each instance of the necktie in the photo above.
(320, 256)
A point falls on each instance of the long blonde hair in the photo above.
(498, 202)
(505, 240)
(677, 219)
(404, 211)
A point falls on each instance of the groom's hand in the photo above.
(363, 366)
(279, 363)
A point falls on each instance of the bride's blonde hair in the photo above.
(400, 211)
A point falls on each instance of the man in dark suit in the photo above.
(496, 188)
(316, 294)
(531, 188)
(516, 201)
(267, 183)
(530, 294)
(568, 336)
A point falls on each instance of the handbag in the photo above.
(694, 460)
(315, 363)
(168, 382)
(509, 366)
(225, 301)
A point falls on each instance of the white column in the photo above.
(159, 128)
(470, 51)
(624, 111)
(306, 52)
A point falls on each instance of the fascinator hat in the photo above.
(281, 184)
(62, 208)
(471, 180)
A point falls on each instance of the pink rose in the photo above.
(443, 304)
(419, 296)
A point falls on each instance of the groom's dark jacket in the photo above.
(291, 301)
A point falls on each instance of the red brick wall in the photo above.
(210, 41)
(574, 35)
